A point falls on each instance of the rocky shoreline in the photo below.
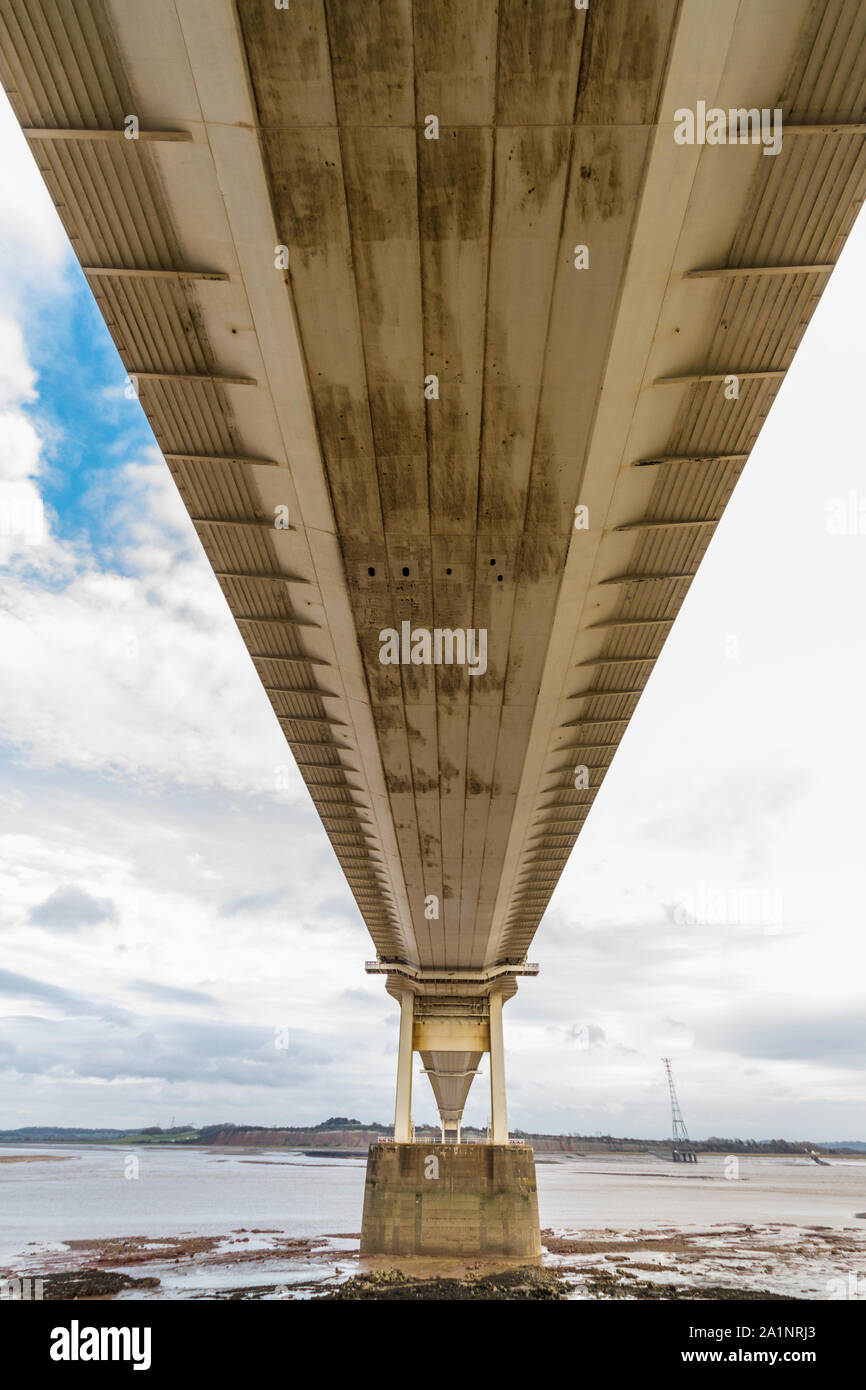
(719, 1263)
(524, 1283)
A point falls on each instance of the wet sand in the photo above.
(618, 1227)
(743, 1262)
(35, 1158)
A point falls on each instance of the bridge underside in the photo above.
(435, 322)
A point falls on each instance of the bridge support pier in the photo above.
(458, 1200)
(450, 1198)
(403, 1107)
(498, 1107)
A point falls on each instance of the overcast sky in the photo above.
(168, 914)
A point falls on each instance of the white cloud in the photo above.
(128, 665)
(34, 250)
(22, 515)
(139, 674)
(17, 378)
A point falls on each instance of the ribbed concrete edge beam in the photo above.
(668, 524)
(645, 579)
(85, 133)
(212, 378)
(597, 694)
(259, 523)
(834, 128)
(222, 458)
(298, 690)
(321, 743)
(734, 272)
(699, 378)
(595, 723)
(291, 660)
(263, 576)
(274, 621)
(689, 458)
(335, 818)
(617, 660)
(313, 719)
(573, 813)
(574, 747)
(124, 272)
(628, 622)
(587, 794)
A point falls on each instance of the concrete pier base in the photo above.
(451, 1199)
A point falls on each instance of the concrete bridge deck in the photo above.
(456, 324)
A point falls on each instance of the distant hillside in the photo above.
(55, 1134)
(341, 1132)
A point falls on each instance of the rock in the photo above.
(91, 1283)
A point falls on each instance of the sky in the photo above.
(177, 941)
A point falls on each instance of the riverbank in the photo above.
(735, 1263)
(349, 1136)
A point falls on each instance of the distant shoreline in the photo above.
(350, 1142)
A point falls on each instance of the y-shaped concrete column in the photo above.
(450, 1198)
(498, 1110)
(403, 1111)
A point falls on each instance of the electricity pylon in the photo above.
(682, 1149)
